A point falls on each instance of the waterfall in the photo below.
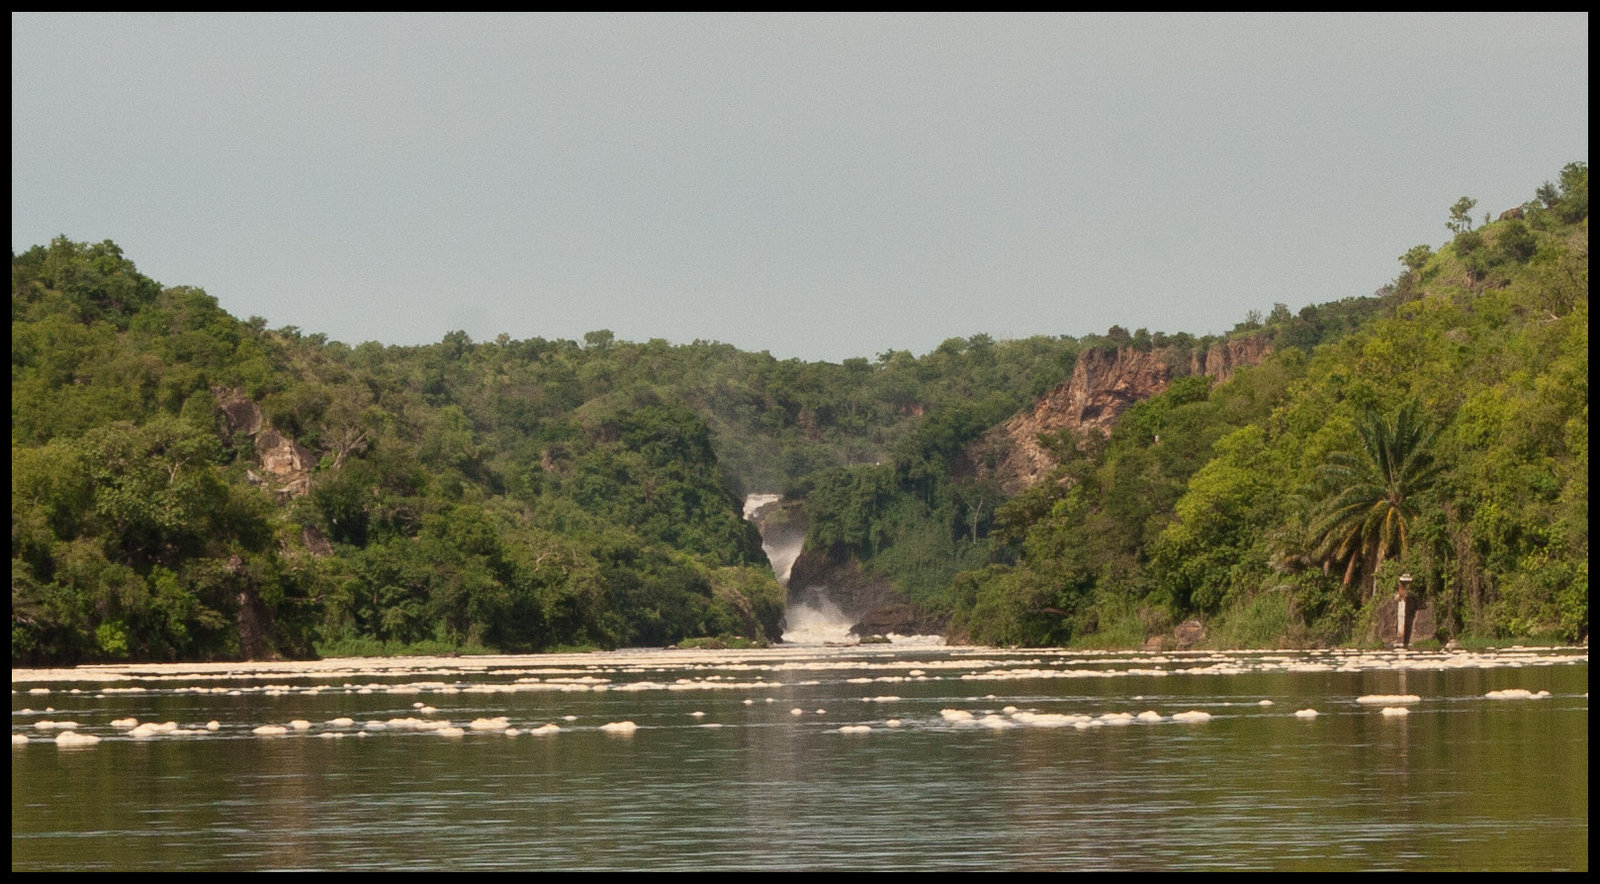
(781, 547)
(815, 623)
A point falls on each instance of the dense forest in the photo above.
(187, 485)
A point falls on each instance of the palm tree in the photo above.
(1373, 494)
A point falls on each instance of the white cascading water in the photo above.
(818, 624)
(782, 557)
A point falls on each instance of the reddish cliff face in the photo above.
(1103, 385)
(1225, 357)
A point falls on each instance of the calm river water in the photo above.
(903, 757)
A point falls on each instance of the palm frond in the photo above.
(1371, 492)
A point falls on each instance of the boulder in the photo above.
(1188, 634)
(286, 461)
(899, 618)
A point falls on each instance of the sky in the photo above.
(817, 186)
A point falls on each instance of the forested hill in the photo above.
(189, 485)
(1446, 438)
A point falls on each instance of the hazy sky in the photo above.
(817, 186)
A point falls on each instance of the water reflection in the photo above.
(817, 758)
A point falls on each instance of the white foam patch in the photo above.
(357, 673)
(1049, 719)
(757, 673)
(1517, 694)
(420, 724)
(926, 641)
(153, 729)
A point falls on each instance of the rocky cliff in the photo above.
(1104, 383)
(870, 603)
(285, 463)
(782, 525)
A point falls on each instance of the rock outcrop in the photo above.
(286, 465)
(782, 525)
(288, 462)
(1186, 635)
(241, 413)
(1104, 383)
(901, 618)
(836, 577)
(283, 467)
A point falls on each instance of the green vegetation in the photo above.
(1445, 436)
(187, 485)
(1370, 503)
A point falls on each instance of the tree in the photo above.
(1374, 493)
(1516, 243)
(1461, 215)
(1416, 257)
(1574, 192)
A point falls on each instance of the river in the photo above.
(910, 756)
